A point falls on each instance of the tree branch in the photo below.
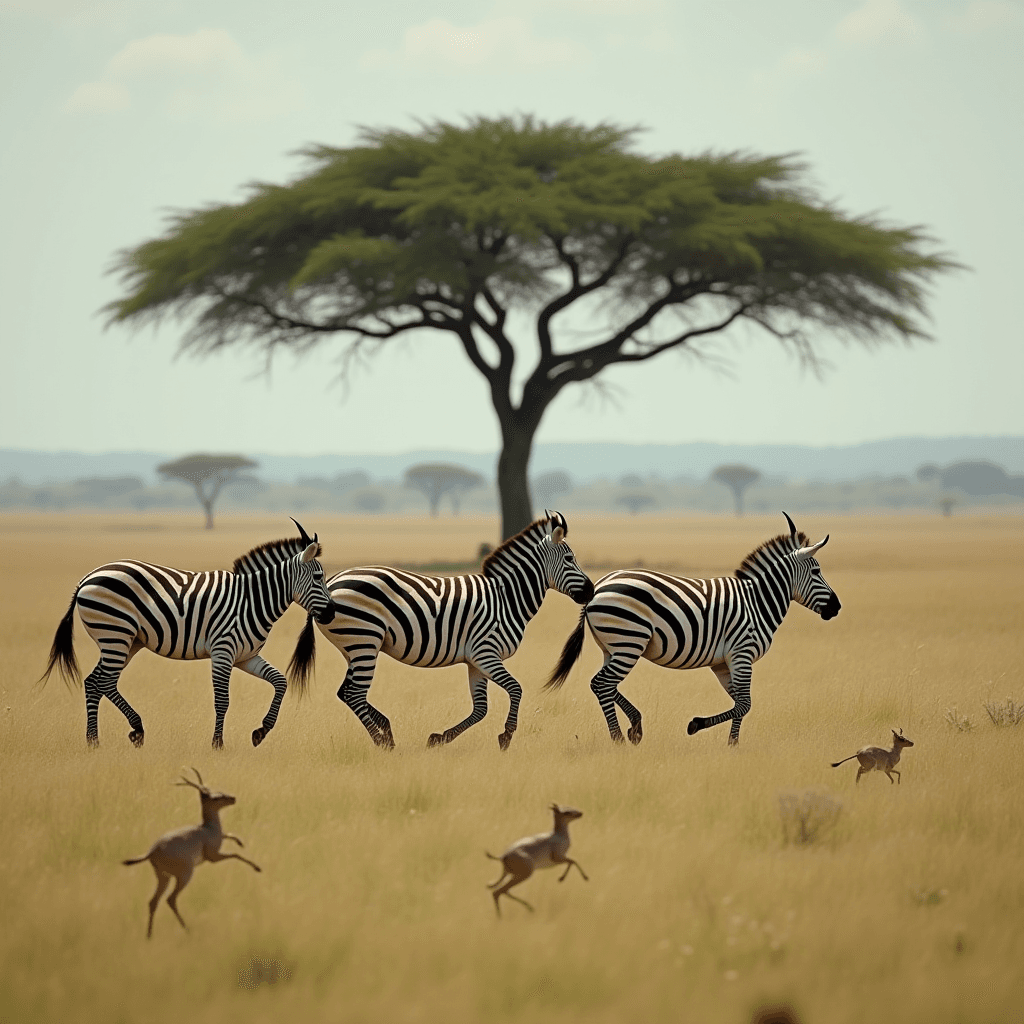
(576, 291)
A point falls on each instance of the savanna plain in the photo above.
(372, 903)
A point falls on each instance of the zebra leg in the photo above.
(737, 669)
(353, 692)
(223, 659)
(492, 666)
(605, 687)
(636, 725)
(102, 682)
(257, 667)
(478, 692)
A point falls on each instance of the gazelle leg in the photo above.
(218, 856)
(478, 694)
(569, 864)
(520, 869)
(162, 881)
(172, 901)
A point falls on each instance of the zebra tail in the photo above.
(300, 668)
(570, 655)
(62, 651)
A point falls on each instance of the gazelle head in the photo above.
(900, 740)
(211, 801)
(565, 813)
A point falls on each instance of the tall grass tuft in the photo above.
(808, 816)
(1006, 712)
(961, 723)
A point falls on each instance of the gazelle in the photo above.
(546, 850)
(177, 854)
(879, 758)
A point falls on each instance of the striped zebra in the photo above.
(724, 624)
(129, 606)
(436, 621)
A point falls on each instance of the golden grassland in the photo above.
(372, 902)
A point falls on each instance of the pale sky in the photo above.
(115, 111)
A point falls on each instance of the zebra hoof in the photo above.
(137, 736)
(435, 739)
(504, 740)
(636, 734)
(218, 743)
(696, 724)
(258, 736)
(92, 742)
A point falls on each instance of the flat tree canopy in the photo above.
(737, 479)
(454, 227)
(436, 479)
(207, 474)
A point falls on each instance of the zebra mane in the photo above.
(755, 562)
(537, 529)
(274, 552)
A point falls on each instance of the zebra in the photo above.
(725, 624)
(129, 605)
(436, 621)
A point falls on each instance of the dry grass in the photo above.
(372, 904)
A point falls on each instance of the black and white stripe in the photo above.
(435, 621)
(129, 606)
(724, 624)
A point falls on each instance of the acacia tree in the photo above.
(455, 227)
(436, 479)
(737, 479)
(207, 474)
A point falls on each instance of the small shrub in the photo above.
(928, 897)
(260, 970)
(808, 816)
(955, 721)
(1006, 712)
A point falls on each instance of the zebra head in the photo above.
(308, 587)
(560, 566)
(809, 586)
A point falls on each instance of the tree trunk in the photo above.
(517, 429)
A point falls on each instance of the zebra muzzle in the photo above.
(325, 617)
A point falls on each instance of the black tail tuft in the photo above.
(300, 668)
(570, 655)
(62, 651)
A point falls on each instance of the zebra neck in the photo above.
(269, 592)
(773, 593)
(522, 592)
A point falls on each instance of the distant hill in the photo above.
(899, 456)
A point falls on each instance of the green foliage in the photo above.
(409, 228)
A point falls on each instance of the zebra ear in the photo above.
(792, 526)
(812, 550)
(310, 553)
(557, 535)
(303, 536)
